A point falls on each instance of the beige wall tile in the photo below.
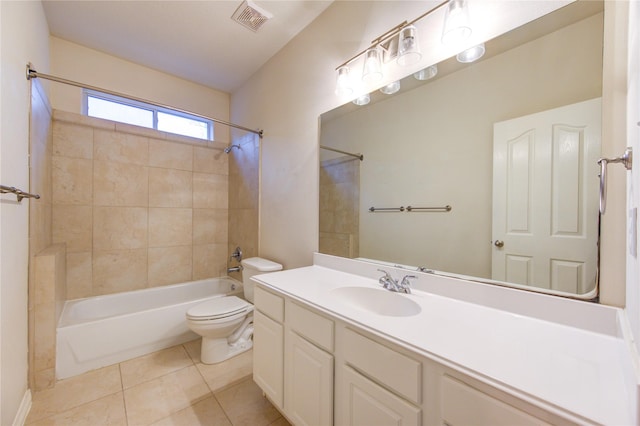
(72, 140)
(170, 227)
(132, 129)
(120, 184)
(210, 226)
(210, 191)
(118, 228)
(72, 180)
(119, 270)
(210, 160)
(96, 123)
(73, 225)
(243, 230)
(79, 275)
(209, 260)
(45, 336)
(120, 147)
(170, 188)
(170, 265)
(44, 379)
(170, 155)
(245, 191)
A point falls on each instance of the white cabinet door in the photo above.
(309, 382)
(366, 403)
(268, 357)
(463, 405)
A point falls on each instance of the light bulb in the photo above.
(456, 22)
(372, 70)
(343, 83)
(391, 88)
(472, 54)
(408, 48)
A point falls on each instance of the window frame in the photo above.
(87, 93)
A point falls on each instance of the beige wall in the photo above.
(418, 153)
(23, 38)
(136, 207)
(78, 63)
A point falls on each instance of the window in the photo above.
(110, 107)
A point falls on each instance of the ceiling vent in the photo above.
(251, 15)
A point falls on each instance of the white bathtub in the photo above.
(104, 330)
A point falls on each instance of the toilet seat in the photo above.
(219, 308)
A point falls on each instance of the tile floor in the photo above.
(169, 387)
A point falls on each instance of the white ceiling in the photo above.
(195, 40)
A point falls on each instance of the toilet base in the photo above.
(214, 351)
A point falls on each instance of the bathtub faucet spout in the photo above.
(235, 269)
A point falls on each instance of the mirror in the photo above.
(509, 143)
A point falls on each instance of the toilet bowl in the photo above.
(226, 323)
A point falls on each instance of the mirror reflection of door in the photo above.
(545, 198)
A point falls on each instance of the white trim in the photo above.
(23, 410)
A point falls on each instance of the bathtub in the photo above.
(104, 330)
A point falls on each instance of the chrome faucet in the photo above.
(391, 284)
(387, 281)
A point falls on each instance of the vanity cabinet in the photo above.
(268, 345)
(309, 366)
(319, 369)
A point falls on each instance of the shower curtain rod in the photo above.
(31, 73)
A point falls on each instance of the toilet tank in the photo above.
(253, 266)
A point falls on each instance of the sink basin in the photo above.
(377, 301)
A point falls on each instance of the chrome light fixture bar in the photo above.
(401, 43)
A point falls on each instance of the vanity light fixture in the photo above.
(391, 88)
(372, 70)
(456, 23)
(362, 100)
(472, 54)
(426, 73)
(408, 48)
(400, 43)
(343, 82)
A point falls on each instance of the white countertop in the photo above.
(548, 360)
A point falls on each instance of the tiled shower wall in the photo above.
(136, 207)
(243, 196)
(339, 207)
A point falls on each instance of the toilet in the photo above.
(226, 323)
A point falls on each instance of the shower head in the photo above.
(230, 147)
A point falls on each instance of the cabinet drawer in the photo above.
(396, 371)
(463, 405)
(312, 326)
(269, 304)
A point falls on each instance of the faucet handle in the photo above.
(405, 284)
(386, 274)
(406, 278)
(387, 280)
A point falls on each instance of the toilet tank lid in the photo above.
(260, 264)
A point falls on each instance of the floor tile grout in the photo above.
(155, 367)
